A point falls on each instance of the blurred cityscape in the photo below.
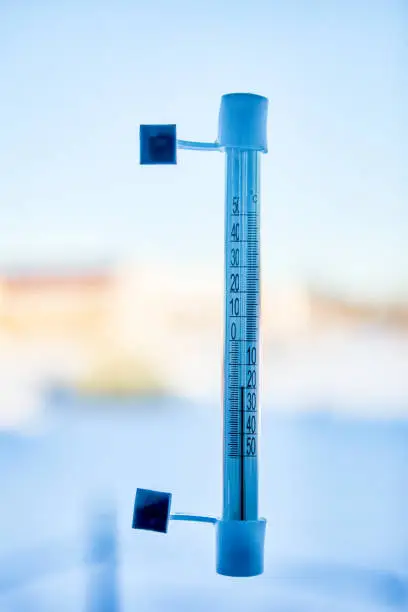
(111, 369)
(129, 330)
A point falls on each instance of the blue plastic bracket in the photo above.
(159, 144)
(240, 544)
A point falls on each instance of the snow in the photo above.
(334, 491)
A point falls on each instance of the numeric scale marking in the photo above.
(241, 332)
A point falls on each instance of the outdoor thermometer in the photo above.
(240, 533)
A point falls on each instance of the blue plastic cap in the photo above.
(158, 144)
(242, 122)
(240, 548)
(151, 510)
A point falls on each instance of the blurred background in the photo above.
(111, 289)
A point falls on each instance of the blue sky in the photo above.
(77, 79)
